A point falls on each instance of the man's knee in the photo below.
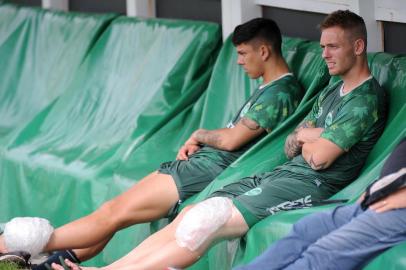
(201, 222)
(112, 213)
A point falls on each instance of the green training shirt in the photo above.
(268, 106)
(354, 122)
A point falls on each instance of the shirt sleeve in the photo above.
(352, 122)
(272, 108)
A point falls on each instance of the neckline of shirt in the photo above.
(262, 86)
(342, 86)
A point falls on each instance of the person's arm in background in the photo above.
(395, 200)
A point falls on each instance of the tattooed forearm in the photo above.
(292, 146)
(316, 166)
(209, 137)
(250, 124)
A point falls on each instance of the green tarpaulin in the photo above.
(40, 52)
(131, 79)
(90, 104)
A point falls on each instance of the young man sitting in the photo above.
(204, 155)
(327, 152)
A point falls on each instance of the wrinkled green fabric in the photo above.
(137, 76)
(89, 106)
(33, 44)
(128, 87)
(228, 89)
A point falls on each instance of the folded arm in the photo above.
(228, 139)
(318, 152)
(304, 132)
(321, 153)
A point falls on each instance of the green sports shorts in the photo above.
(266, 194)
(191, 176)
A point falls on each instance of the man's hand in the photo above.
(70, 265)
(361, 198)
(193, 140)
(295, 140)
(187, 150)
(190, 147)
(228, 139)
(292, 145)
(393, 201)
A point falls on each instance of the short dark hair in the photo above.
(348, 21)
(259, 29)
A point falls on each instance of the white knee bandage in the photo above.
(27, 234)
(202, 220)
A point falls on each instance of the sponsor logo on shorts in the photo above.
(254, 192)
(290, 205)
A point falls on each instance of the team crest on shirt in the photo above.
(329, 120)
(254, 192)
(319, 113)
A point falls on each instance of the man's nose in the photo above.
(240, 60)
(325, 53)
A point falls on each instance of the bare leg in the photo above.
(155, 240)
(144, 249)
(88, 253)
(161, 249)
(148, 200)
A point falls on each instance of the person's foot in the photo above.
(67, 264)
(19, 258)
(56, 257)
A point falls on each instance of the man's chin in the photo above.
(254, 77)
(333, 72)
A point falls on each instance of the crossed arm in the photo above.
(228, 139)
(318, 152)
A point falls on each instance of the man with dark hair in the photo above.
(327, 152)
(258, 31)
(203, 156)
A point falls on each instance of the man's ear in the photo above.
(359, 46)
(265, 52)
